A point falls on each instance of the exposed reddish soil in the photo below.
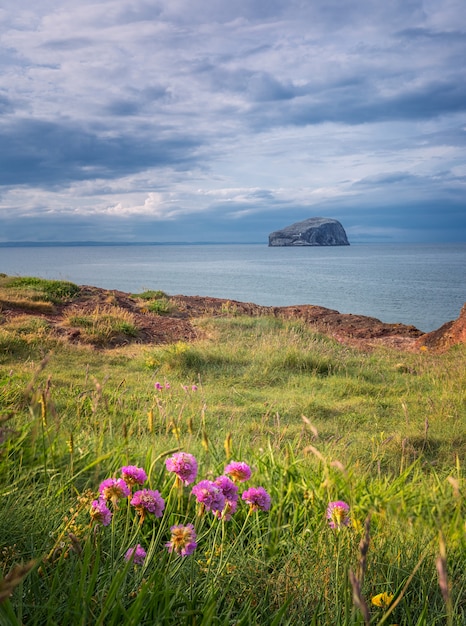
(450, 334)
(355, 330)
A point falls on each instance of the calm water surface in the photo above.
(419, 284)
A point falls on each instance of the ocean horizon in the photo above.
(420, 284)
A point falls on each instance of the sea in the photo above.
(419, 284)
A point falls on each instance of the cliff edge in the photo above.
(315, 231)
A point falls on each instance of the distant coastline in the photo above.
(75, 244)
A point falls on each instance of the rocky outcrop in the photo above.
(450, 334)
(315, 231)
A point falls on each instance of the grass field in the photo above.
(317, 422)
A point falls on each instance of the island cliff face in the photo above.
(315, 231)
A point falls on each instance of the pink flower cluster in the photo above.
(220, 496)
(146, 501)
(100, 512)
(112, 489)
(230, 493)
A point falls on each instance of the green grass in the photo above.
(317, 422)
(150, 294)
(38, 289)
(155, 301)
(161, 306)
(103, 326)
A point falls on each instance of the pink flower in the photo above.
(338, 514)
(230, 492)
(257, 498)
(148, 501)
(133, 475)
(239, 471)
(100, 512)
(228, 510)
(158, 386)
(183, 540)
(209, 495)
(193, 388)
(228, 488)
(167, 385)
(113, 489)
(136, 554)
(184, 465)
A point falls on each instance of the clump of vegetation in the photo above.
(151, 294)
(103, 326)
(38, 289)
(187, 359)
(155, 301)
(22, 335)
(160, 306)
(29, 326)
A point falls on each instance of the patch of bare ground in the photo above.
(450, 334)
(176, 325)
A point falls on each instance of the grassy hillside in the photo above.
(316, 421)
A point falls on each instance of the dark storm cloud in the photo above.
(420, 34)
(137, 101)
(6, 105)
(49, 154)
(360, 103)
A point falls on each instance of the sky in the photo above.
(225, 120)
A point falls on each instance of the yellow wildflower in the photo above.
(383, 600)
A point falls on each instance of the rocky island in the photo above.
(315, 231)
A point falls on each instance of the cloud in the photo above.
(127, 119)
(47, 153)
